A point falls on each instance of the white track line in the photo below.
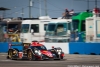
(3, 55)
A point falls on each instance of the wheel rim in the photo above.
(10, 54)
(30, 55)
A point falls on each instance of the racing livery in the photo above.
(35, 51)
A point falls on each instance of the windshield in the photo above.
(78, 26)
(61, 29)
(25, 28)
(58, 29)
(51, 27)
(39, 47)
(82, 25)
(35, 27)
(75, 24)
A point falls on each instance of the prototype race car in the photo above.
(36, 51)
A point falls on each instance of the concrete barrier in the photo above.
(68, 48)
(64, 46)
(84, 48)
(17, 45)
(3, 47)
(77, 48)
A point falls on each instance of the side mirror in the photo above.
(32, 30)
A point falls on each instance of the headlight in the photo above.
(38, 52)
(58, 50)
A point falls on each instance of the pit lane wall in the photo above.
(64, 46)
(84, 48)
(4, 46)
(77, 48)
(68, 48)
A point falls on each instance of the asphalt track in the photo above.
(69, 61)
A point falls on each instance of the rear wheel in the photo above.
(10, 54)
(30, 55)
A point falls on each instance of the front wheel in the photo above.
(62, 57)
(30, 55)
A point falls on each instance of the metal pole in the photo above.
(45, 1)
(40, 6)
(30, 5)
(22, 12)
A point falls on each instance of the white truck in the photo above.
(93, 29)
(34, 30)
(59, 30)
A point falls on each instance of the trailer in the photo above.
(34, 30)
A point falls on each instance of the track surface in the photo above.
(69, 61)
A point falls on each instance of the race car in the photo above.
(36, 51)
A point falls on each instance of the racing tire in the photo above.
(17, 53)
(51, 59)
(7, 57)
(10, 54)
(62, 57)
(30, 56)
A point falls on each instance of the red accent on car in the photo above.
(47, 53)
(62, 54)
(36, 44)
